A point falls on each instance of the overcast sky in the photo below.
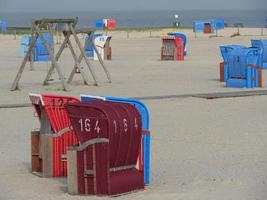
(87, 5)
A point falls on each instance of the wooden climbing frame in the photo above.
(40, 24)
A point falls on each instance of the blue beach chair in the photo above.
(24, 45)
(262, 45)
(225, 50)
(242, 68)
(40, 51)
(90, 50)
(184, 40)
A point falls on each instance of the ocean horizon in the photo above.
(143, 18)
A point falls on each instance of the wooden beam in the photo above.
(72, 174)
(77, 65)
(82, 30)
(36, 161)
(62, 47)
(46, 151)
(21, 69)
(83, 54)
(54, 61)
(53, 21)
(101, 61)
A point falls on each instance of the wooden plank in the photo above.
(16, 105)
(51, 20)
(221, 71)
(82, 30)
(72, 175)
(35, 159)
(207, 95)
(217, 95)
(46, 152)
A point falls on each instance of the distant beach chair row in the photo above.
(208, 26)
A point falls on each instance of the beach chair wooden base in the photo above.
(41, 154)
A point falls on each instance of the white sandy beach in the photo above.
(201, 149)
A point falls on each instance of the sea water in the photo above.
(149, 18)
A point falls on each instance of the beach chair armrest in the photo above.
(88, 143)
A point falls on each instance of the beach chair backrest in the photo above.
(119, 122)
(111, 166)
(239, 59)
(144, 156)
(262, 44)
(54, 107)
(54, 120)
(101, 41)
(40, 51)
(183, 36)
(226, 49)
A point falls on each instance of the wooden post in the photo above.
(46, 151)
(15, 34)
(54, 61)
(21, 69)
(101, 61)
(32, 54)
(77, 65)
(72, 176)
(62, 47)
(51, 69)
(222, 71)
(36, 161)
(83, 53)
(259, 77)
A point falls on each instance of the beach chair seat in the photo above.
(109, 134)
(55, 135)
(144, 153)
